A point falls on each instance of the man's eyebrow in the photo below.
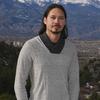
(60, 15)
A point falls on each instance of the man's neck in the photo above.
(53, 37)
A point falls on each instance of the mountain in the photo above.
(95, 3)
(23, 19)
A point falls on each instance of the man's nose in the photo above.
(57, 20)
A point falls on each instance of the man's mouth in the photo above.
(56, 25)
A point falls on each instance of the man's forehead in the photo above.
(56, 12)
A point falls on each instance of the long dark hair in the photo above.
(43, 26)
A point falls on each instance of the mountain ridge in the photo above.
(95, 3)
(23, 20)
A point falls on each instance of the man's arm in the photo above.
(73, 79)
(24, 65)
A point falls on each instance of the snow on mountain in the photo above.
(54, 1)
(95, 3)
(76, 1)
(41, 2)
(24, 1)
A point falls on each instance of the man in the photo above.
(50, 60)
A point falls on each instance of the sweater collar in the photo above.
(52, 47)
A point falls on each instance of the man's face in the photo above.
(55, 21)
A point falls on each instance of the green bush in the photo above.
(7, 97)
(8, 60)
(7, 76)
(94, 96)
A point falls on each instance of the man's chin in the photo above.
(56, 32)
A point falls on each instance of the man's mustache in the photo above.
(56, 25)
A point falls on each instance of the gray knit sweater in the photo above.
(53, 76)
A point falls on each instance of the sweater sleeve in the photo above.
(74, 78)
(24, 65)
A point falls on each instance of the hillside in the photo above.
(23, 19)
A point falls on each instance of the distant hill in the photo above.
(23, 19)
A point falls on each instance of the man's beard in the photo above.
(56, 32)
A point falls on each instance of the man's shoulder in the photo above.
(69, 44)
(32, 42)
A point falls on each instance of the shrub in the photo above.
(7, 97)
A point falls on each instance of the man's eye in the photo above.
(61, 18)
(52, 17)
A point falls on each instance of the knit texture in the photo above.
(52, 47)
(53, 76)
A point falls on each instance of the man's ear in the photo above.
(44, 20)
